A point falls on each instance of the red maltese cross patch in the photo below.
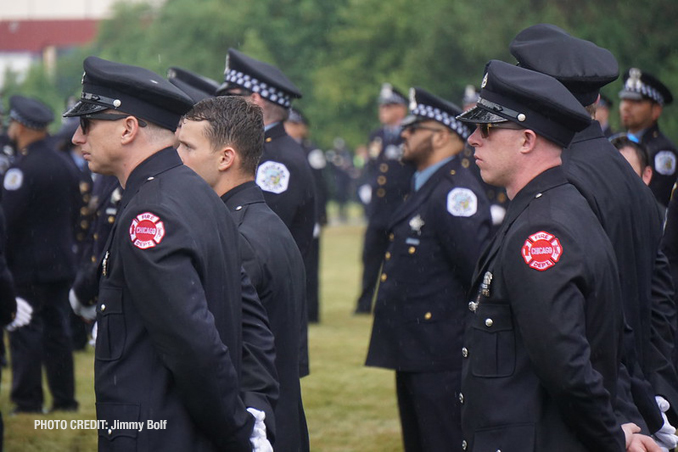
(146, 231)
(542, 251)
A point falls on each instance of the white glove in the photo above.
(86, 312)
(94, 332)
(258, 439)
(24, 314)
(666, 436)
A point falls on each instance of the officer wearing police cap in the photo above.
(284, 172)
(388, 182)
(169, 309)
(624, 207)
(40, 200)
(642, 101)
(435, 238)
(541, 347)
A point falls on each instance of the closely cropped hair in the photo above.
(236, 122)
(621, 141)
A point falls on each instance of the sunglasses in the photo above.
(485, 128)
(85, 119)
(414, 127)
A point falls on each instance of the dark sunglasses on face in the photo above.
(85, 119)
(485, 128)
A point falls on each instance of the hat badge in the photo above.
(413, 99)
(633, 81)
(386, 91)
(484, 83)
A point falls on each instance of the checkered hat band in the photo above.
(13, 114)
(437, 115)
(647, 91)
(266, 91)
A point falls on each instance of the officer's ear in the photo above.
(131, 129)
(227, 158)
(656, 111)
(528, 141)
(647, 175)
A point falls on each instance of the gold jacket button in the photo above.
(381, 192)
(381, 180)
(111, 219)
(411, 250)
(428, 316)
(489, 322)
(383, 277)
(388, 255)
(391, 236)
(383, 167)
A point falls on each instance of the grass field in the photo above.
(349, 407)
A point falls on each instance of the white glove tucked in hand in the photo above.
(258, 438)
(666, 436)
(86, 312)
(24, 314)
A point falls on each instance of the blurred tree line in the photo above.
(339, 52)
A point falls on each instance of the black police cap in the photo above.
(30, 112)
(531, 99)
(256, 76)
(298, 117)
(389, 95)
(426, 106)
(639, 84)
(580, 65)
(196, 86)
(130, 89)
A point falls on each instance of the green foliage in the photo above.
(340, 52)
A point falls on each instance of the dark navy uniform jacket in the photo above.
(7, 294)
(285, 177)
(389, 178)
(435, 239)
(542, 345)
(664, 162)
(274, 264)
(628, 213)
(41, 200)
(169, 316)
(103, 205)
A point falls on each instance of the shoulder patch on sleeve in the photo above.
(13, 179)
(665, 163)
(273, 177)
(146, 230)
(462, 202)
(316, 158)
(542, 251)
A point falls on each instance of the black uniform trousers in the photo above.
(429, 411)
(374, 248)
(312, 265)
(45, 341)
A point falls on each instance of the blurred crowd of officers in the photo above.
(519, 257)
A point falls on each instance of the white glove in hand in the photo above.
(666, 436)
(24, 314)
(86, 312)
(258, 438)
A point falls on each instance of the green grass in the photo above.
(348, 407)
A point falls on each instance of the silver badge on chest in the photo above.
(416, 223)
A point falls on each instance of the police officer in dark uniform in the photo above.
(297, 126)
(542, 347)
(169, 303)
(642, 102)
(389, 182)
(284, 172)
(222, 139)
(496, 195)
(40, 196)
(624, 207)
(435, 238)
